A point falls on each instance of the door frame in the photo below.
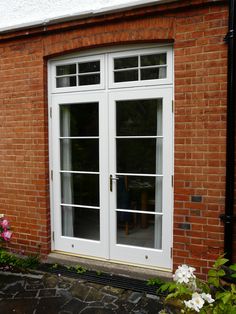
(168, 85)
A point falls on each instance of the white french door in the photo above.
(80, 204)
(140, 161)
(111, 156)
(112, 168)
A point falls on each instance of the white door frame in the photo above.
(102, 249)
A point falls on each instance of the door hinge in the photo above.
(50, 110)
(171, 252)
(173, 105)
(172, 181)
(53, 236)
(52, 175)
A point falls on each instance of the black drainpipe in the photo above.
(228, 216)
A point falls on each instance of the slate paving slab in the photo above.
(53, 294)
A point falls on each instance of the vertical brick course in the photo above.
(200, 76)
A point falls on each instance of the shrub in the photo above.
(188, 294)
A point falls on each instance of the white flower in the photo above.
(184, 274)
(207, 297)
(196, 303)
(188, 304)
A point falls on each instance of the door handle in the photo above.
(111, 181)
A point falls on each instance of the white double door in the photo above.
(111, 158)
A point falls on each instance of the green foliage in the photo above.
(155, 282)
(80, 269)
(183, 292)
(9, 259)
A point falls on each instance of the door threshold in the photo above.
(108, 266)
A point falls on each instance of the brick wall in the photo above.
(197, 29)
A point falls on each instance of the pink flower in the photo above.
(6, 235)
(5, 224)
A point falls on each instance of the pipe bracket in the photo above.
(227, 219)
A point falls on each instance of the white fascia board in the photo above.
(84, 14)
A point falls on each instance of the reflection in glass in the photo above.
(83, 154)
(153, 73)
(139, 193)
(66, 81)
(143, 230)
(154, 59)
(137, 155)
(79, 119)
(85, 222)
(125, 76)
(124, 63)
(86, 67)
(90, 79)
(84, 189)
(139, 117)
(66, 69)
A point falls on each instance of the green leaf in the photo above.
(164, 287)
(233, 275)
(233, 267)
(223, 296)
(226, 297)
(214, 281)
(221, 273)
(220, 262)
(212, 272)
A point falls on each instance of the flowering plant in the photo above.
(187, 294)
(5, 233)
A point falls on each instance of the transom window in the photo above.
(142, 67)
(78, 74)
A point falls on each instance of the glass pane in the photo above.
(66, 81)
(124, 63)
(139, 193)
(139, 117)
(80, 223)
(80, 189)
(86, 67)
(143, 230)
(91, 79)
(79, 119)
(125, 76)
(153, 73)
(155, 59)
(66, 69)
(79, 155)
(138, 155)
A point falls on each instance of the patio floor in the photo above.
(45, 293)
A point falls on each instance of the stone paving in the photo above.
(52, 294)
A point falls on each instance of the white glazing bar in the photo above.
(139, 175)
(88, 73)
(126, 69)
(138, 212)
(79, 206)
(78, 137)
(137, 136)
(79, 172)
(153, 66)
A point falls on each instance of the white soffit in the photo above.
(17, 14)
